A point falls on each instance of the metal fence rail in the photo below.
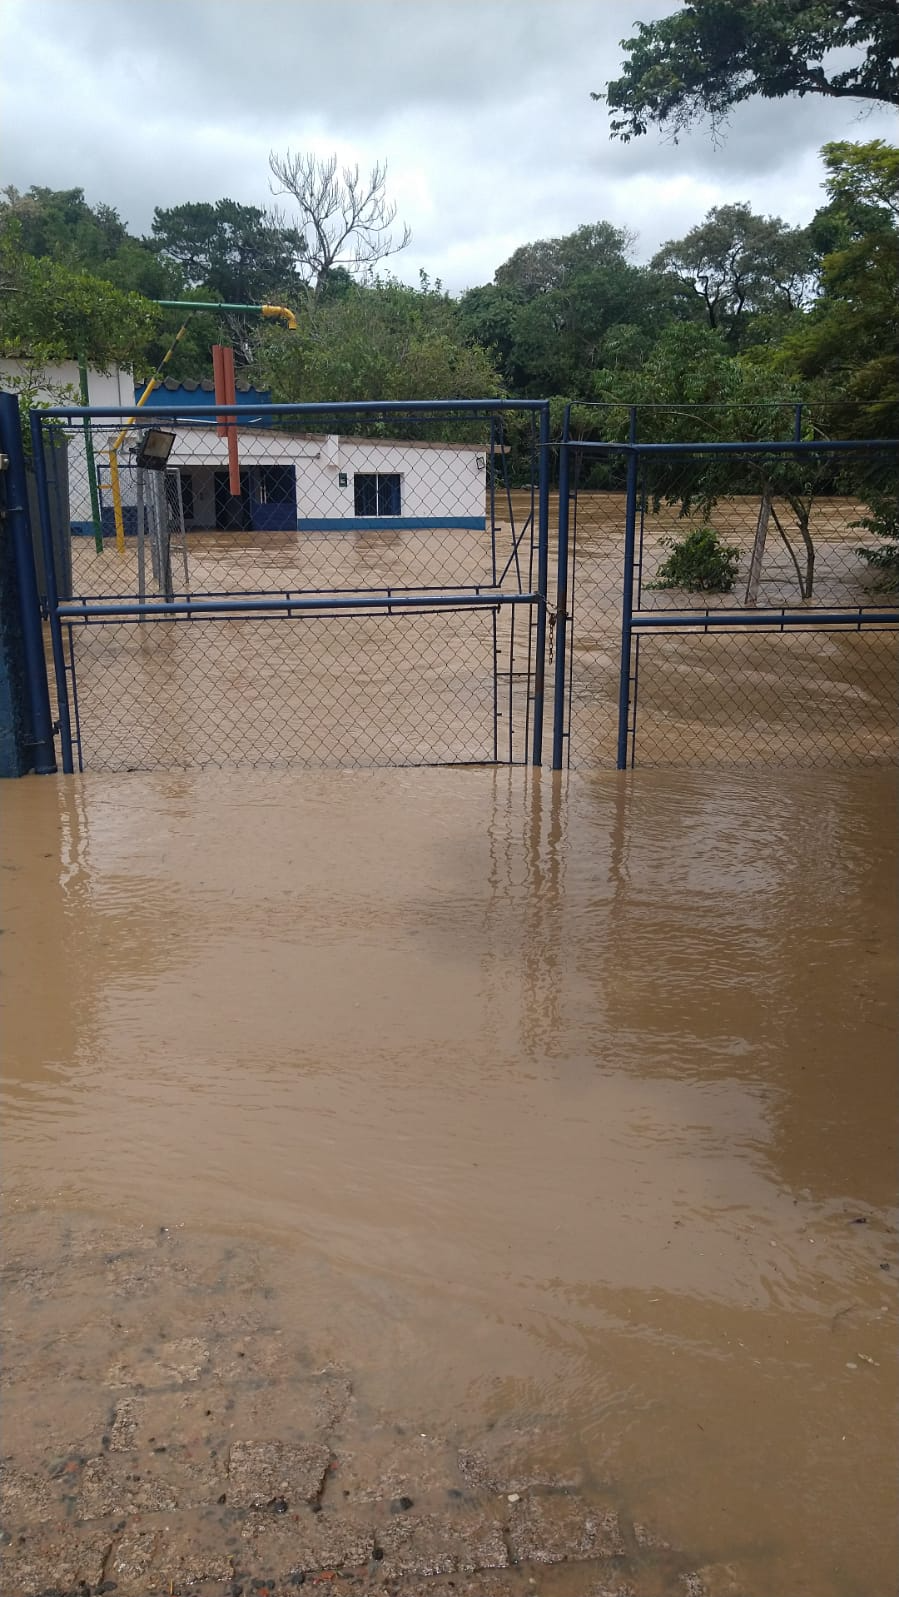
(791, 658)
(402, 550)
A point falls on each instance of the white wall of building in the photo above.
(441, 484)
(104, 388)
(58, 384)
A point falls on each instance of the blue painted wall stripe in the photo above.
(85, 529)
(384, 523)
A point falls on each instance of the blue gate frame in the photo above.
(62, 614)
(637, 620)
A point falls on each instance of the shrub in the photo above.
(699, 562)
(883, 522)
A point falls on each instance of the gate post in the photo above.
(562, 592)
(542, 577)
(627, 607)
(22, 612)
(59, 665)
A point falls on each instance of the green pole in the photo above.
(91, 464)
(267, 312)
(206, 305)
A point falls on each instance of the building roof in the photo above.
(205, 385)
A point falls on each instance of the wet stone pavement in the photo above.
(149, 1458)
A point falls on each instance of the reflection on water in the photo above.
(550, 1099)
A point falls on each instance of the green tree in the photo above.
(849, 342)
(50, 313)
(861, 186)
(712, 54)
(564, 339)
(236, 253)
(488, 316)
(561, 309)
(551, 263)
(381, 341)
(59, 225)
(692, 390)
(735, 264)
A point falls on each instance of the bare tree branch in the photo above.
(344, 220)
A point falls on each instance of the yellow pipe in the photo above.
(281, 311)
(117, 501)
(152, 384)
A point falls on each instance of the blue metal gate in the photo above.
(376, 591)
(793, 659)
(337, 627)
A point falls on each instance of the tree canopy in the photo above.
(379, 341)
(50, 312)
(711, 55)
(736, 263)
(59, 225)
(742, 306)
(236, 253)
(849, 342)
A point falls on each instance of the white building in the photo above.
(309, 482)
(300, 482)
(289, 481)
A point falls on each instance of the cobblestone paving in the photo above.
(216, 1461)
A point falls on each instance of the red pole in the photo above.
(219, 385)
(226, 394)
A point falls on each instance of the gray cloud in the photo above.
(481, 107)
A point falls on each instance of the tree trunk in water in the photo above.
(758, 551)
(803, 512)
(804, 582)
(809, 559)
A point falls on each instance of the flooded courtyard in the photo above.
(450, 1181)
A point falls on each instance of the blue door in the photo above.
(274, 499)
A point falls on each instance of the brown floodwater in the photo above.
(538, 1098)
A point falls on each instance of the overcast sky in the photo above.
(481, 108)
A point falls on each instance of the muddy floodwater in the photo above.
(535, 1118)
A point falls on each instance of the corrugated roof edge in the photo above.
(190, 385)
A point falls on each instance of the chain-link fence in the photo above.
(348, 586)
(732, 604)
(359, 585)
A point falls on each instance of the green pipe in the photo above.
(203, 305)
(265, 311)
(91, 463)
